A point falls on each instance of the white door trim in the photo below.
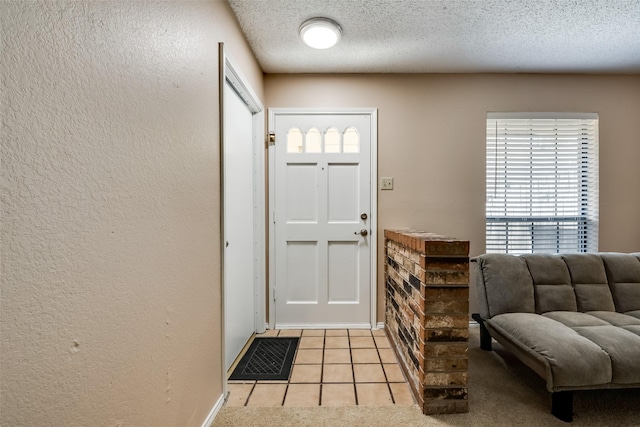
(373, 112)
(230, 72)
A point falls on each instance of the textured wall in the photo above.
(110, 211)
(431, 139)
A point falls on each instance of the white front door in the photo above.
(322, 220)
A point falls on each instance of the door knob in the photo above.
(362, 232)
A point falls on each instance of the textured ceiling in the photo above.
(448, 36)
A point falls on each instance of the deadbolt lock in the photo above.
(364, 216)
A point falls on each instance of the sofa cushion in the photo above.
(622, 346)
(615, 319)
(589, 281)
(633, 328)
(573, 320)
(507, 282)
(635, 313)
(551, 283)
(571, 359)
(623, 274)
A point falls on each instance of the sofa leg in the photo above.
(485, 336)
(562, 405)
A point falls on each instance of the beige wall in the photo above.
(431, 131)
(111, 303)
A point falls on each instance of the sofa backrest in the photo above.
(504, 284)
(623, 275)
(589, 281)
(551, 283)
(539, 283)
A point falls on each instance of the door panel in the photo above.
(302, 259)
(343, 272)
(322, 186)
(302, 193)
(343, 185)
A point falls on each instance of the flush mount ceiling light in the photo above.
(320, 33)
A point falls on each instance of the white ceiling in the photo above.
(448, 36)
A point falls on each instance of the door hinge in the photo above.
(270, 139)
(274, 294)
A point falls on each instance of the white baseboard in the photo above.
(379, 325)
(214, 411)
(324, 326)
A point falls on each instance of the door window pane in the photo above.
(351, 141)
(314, 141)
(332, 141)
(294, 141)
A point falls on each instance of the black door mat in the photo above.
(267, 359)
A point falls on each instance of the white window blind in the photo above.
(542, 183)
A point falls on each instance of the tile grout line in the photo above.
(286, 390)
(246, 401)
(324, 339)
(384, 372)
(353, 371)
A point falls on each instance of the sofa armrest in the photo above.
(478, 279)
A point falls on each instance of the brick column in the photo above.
(427, 315)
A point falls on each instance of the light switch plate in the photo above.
(386, 183)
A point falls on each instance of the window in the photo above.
(542, 183)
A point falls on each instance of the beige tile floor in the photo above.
(333, 367)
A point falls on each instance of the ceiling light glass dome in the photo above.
(320, 33)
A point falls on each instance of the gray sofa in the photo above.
(574, 319)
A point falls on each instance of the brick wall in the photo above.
(427, 315)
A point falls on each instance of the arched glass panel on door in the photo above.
(351, 141)
(313, 141)
(332, 141)
(294, 141)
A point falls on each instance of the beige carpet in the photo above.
(502, 392)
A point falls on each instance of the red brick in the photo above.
(443, 277)
(453, 306)
(445, 393)
(446, 321)
(446, 248)
(435, 407)
(446, 365)
(445, 378)
(447, 335)
(441, 263)
(440, 293)
(457, 349)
